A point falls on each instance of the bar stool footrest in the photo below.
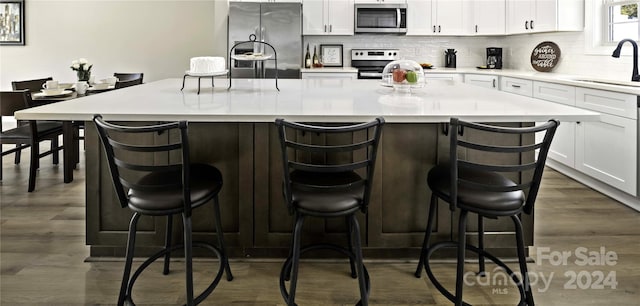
(284, 273)
(223, 262)
(474, 249)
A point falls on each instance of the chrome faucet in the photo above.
(635, 77)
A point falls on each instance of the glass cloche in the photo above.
(403, 75)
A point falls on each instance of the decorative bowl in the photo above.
(403, 75)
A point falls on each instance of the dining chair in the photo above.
(327, 176)
(123, 84)
(33, 86)
(27, 133)
(175, 186)
(129, 76)
(493, 178)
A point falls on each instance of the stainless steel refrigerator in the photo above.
(279, 24)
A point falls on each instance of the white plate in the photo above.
(215, 73)
(250, 57)
(95, 89)
(44, 95)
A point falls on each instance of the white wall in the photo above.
(156, 37)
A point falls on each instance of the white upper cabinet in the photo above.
(419, 17)
(382, 1)
(531, 16)
(327, 17)
(435, 17)
(447, 17)
(485, 17)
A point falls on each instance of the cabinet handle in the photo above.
(578, 122)
(531, 23)
(330, 28)
(526, 25)
(494, 83)
(514, 85)
(438, 29)
(325, 28)
(434, 29)
(476, 28)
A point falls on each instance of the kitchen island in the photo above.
(233, 130)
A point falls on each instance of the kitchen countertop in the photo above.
(319, 100)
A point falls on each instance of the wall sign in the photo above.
(545, 56)
(331, 55)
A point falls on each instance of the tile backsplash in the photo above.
(471, 51)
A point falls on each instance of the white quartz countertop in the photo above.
(311, 100)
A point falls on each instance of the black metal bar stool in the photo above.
(502, 183)
(327, 179)
(157, 188)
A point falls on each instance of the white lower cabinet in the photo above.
(563, 146)
(482, 80)
(607, 150)
(443, 76)
(517, 86)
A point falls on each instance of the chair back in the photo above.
(32, 85)
(133, 152)
(123, 84)
(13, 101)
(331, 154)
(492, 154)
(129, 76)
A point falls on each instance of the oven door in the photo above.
(380, 18)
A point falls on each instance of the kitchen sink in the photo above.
(609, 82)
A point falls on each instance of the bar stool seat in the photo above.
(493, 178)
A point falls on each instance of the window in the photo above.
(621, 20)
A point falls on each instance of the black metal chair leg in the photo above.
(223, 252)
(167, 244)
(297, 232)
(55, 152)
(427, 235)
(481, 266)
(188, 250)
(350, 248)
(33, 166)
(362, 282)
(183, 79)
(131, 242)
(522, 260)
(16, 159)
(462, 225)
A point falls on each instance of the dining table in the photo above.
(70, 128)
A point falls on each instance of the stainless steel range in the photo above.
(371, 62)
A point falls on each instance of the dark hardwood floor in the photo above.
(43, 252)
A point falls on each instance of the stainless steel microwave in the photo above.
(380, 18)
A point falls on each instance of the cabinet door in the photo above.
(606, 150)
(340, 17)
(419, 17)
(519, 15)
(448, 16)
(517, 86)
(563, 147)
(489, 17)
(546, 16)
(313, 20)
(483, 80)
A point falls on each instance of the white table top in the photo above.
(311, 100)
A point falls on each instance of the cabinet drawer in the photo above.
(555, 93)
(517, 86)
(483, 80)
(443, 76)
(619, 104)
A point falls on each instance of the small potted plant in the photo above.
(83, 68)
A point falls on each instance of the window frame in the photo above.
(607, 19)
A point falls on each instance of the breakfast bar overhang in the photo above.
(233, 129)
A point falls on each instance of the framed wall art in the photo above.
(11, 22)
(331, 55)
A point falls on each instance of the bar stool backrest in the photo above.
(135, 151)
(340, 157)
(127, 83)
(483, 149)
(129, 76)
(34, 85)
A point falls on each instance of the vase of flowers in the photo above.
(83, 69)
